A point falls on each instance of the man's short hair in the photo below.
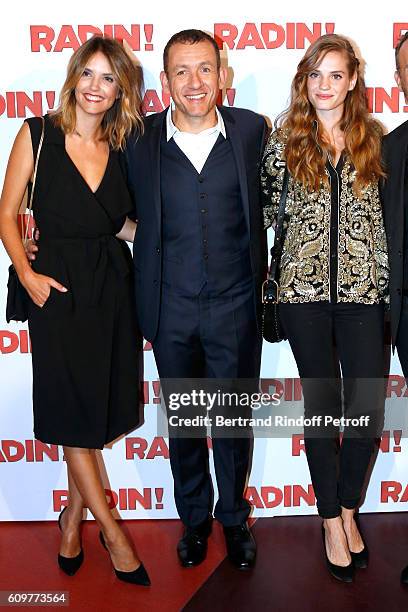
(401, 41)
(190, 37)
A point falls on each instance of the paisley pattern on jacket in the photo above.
(362, 259)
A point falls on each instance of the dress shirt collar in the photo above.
(172, 129)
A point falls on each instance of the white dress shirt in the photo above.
(196, 147)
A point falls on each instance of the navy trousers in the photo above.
(209, 337)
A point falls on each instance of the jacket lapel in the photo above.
(237, 147)
(394, 192)
(154, 151)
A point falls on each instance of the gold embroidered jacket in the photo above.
(306, 270)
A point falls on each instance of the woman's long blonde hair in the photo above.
(305, 140)
(125, 115)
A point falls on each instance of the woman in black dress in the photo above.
(85, 341)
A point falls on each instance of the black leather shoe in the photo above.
(360, 559)
(69, 565)
(404, 575)
(241, 546)
(138, 576)
(192, 548)
(345, 573)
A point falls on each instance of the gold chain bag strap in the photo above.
(17, 296)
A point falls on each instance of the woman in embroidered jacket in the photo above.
(333, 276)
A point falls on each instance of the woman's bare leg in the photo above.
(355, 541)
(84, 470)
(71, 520)
(336, 542)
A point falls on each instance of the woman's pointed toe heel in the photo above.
(69, 565)
(360, 559)
(138, 576)
(344, 573)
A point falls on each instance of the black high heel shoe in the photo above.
(137, 576)
(69, 565)
(360, 559)
(345, 573)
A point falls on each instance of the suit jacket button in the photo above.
(158, 251)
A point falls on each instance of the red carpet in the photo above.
(28, 562)
(290, 574)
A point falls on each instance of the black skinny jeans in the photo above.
(324, 337)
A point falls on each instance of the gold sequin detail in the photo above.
(362, 266)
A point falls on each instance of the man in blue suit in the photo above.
(395, 199)
(200, 259)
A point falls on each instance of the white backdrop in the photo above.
(263, 43)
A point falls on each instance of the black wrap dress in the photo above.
(86, 346)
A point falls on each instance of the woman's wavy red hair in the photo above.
(305, 135)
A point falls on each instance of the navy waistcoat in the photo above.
(205, 236)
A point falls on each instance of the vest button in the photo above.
(206, 256)
(200, 179)
(203, 195)
(203, 210)
(158, 251)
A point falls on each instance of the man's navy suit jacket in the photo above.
(247, 132)
(395, 149)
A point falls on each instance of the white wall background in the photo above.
(33, 483)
